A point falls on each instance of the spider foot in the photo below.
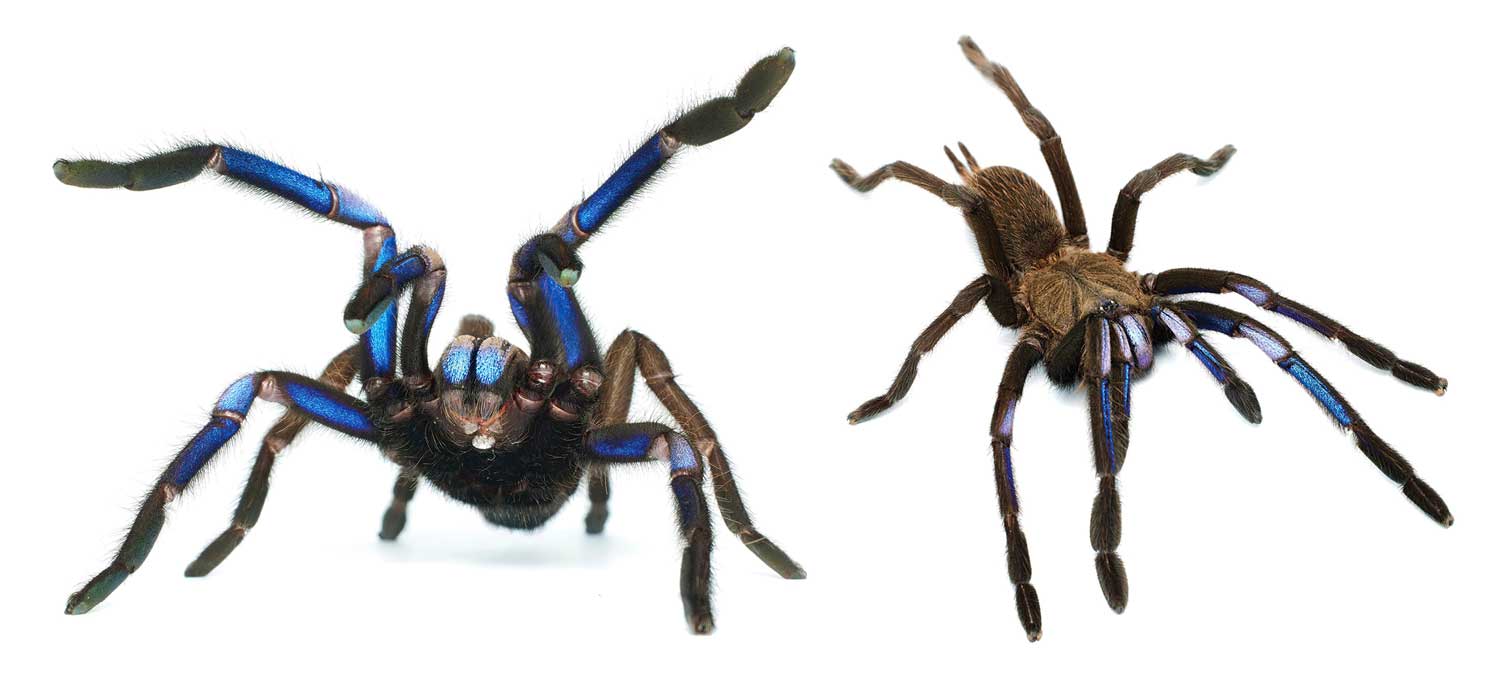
(727, 114)
(869, 409)
(593, 523)
(701, 623)
(773, 556)
(1112, 580)
(1030, 611)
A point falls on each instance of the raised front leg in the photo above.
(323, 198)
(311, 398)
(632, 350)
(1052, 148)
(1122, 226)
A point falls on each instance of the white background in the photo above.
(1363, 187)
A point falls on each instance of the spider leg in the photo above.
(1122, 226)
(1186, 280)
(1018, 557)
(1107, 383)
(250, 170)
(954, 195)
(395, 514)
(598, 500)
(1052, 148)
(374, 299)
(704, 124)
(1395, 467)
(337, 375)
(963, 303)
(626, 443)
(1236, 390)
(313, 399)
(633, 349)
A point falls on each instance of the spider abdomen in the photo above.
(1023, 214)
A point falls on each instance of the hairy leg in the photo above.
(337, 375)
(1036, 122)
(631, 350)
(1122, 226)
(311, 398)
(1392, 464)
(629, 443)
(1018, 556)
(1187, 280)
(394, 520)
(323, 198)
(963, 303)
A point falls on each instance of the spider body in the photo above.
(1095, 324)
(511, 433)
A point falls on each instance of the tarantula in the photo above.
(1088, 318)
(509, 434)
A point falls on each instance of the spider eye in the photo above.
(1108, 305)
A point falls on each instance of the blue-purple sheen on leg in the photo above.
(628, 179)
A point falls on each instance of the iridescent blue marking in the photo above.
(1213, 322)
(458, 360)
(566, 318)
(1008, 420)
(432, 310)
(1180, 330)
(519, 312)
(407, 267)
(238, 396)
(569, 236)
(355, 210)
(276, 179)
(1126, 372)
(631, 446)
(680, 453)
(1010, 475)
(689, 499)
(489, 364)
(1318, 388)
(379, 341)
(328, 410)
(202, 448)
(1250, 292)
(624, 182)
(1109, 422)
(1211, 362)
(1274, 348)
(1304, 319)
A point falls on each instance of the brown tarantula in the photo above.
(1088, 318)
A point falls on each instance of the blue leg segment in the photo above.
(1185, 331)
(323, 404)
(632, 443)
(1385, 458)
(320, 197)
(1187, 280)
(373, 307)
(318, 401)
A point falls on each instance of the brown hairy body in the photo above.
(1096, 325)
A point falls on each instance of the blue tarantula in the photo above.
(1092, 322)
(509, 433)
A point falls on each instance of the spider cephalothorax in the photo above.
(1093, 322)
(510, 433)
